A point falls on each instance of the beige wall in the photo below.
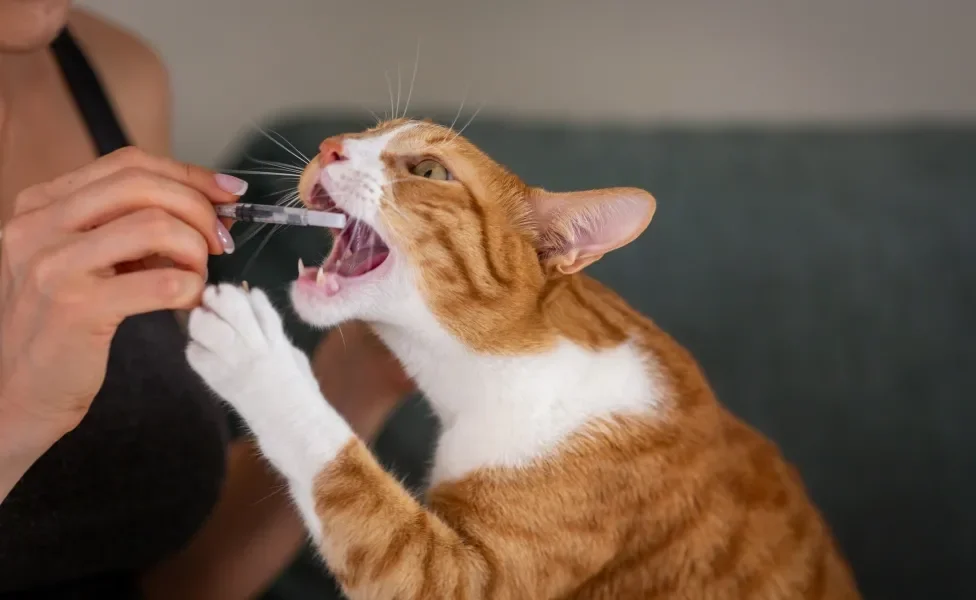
(637, 60)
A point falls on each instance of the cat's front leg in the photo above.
(239, 347)
(378, 540)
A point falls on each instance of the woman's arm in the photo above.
(23, 440)
(251, 536)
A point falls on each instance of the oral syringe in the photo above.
(280, 215)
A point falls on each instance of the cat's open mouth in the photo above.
(357, 248)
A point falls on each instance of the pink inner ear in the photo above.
(610, 223)
(594, 222)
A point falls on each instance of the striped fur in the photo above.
(583, 454)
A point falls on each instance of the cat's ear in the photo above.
(576, 229)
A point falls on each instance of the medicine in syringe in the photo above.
(280, 215)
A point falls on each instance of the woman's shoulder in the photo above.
(134, 76)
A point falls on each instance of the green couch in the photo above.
(826, 281)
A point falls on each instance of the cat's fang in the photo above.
(301, 267)
(320, 277)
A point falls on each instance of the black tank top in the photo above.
(142, 471)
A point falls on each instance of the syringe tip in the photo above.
(326, 219)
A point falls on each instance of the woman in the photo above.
(116, 475)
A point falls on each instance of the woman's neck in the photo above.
(4, 68)
(22, 77)
(14, 74)
(5, 87)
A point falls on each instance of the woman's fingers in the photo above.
(135, 236)
(131, 190)
(217, 188)
(147, 291)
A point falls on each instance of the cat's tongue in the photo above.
(357, 251)
(360, 262)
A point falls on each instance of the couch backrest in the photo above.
(826, 281)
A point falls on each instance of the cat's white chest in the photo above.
(496, 440)
(513, 411)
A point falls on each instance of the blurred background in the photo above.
(815, 240)
(620, 61)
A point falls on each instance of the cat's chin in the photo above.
(325, 299)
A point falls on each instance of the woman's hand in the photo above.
(127, 234)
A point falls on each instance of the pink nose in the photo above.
(330, 151)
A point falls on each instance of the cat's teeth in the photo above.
(301, 266)
(327, 282)
(332, 284)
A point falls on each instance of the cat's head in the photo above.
(441, 236)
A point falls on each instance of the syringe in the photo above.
(281, 215)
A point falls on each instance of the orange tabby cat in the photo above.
(582, 454)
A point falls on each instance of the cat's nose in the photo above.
(330, 151)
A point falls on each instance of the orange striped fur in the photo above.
(663, 494)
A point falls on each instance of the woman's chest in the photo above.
(42, 135)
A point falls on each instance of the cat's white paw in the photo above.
(239, 348)
(238, 342)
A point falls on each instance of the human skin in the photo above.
(253, 531)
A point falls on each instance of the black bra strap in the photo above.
(89, 95)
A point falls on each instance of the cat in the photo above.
(582, 453)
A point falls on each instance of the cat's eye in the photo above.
(431, 169)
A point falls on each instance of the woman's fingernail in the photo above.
(231, 184)
(225, 238)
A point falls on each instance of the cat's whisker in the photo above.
(275, 490)
(413, 79)
(275, 163)
(470, 120)
(281, 198)
(373, 113)
(285, 140)
(257, 251)
(289, 199)
(250, 233)
(464, 98)
(398, 210)
(296, 153)
(283, 189)
(289, 188)
(396, 112)
(342, 337)
(389, 88)
(282, 174)
(282, 166)
(394, 205)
